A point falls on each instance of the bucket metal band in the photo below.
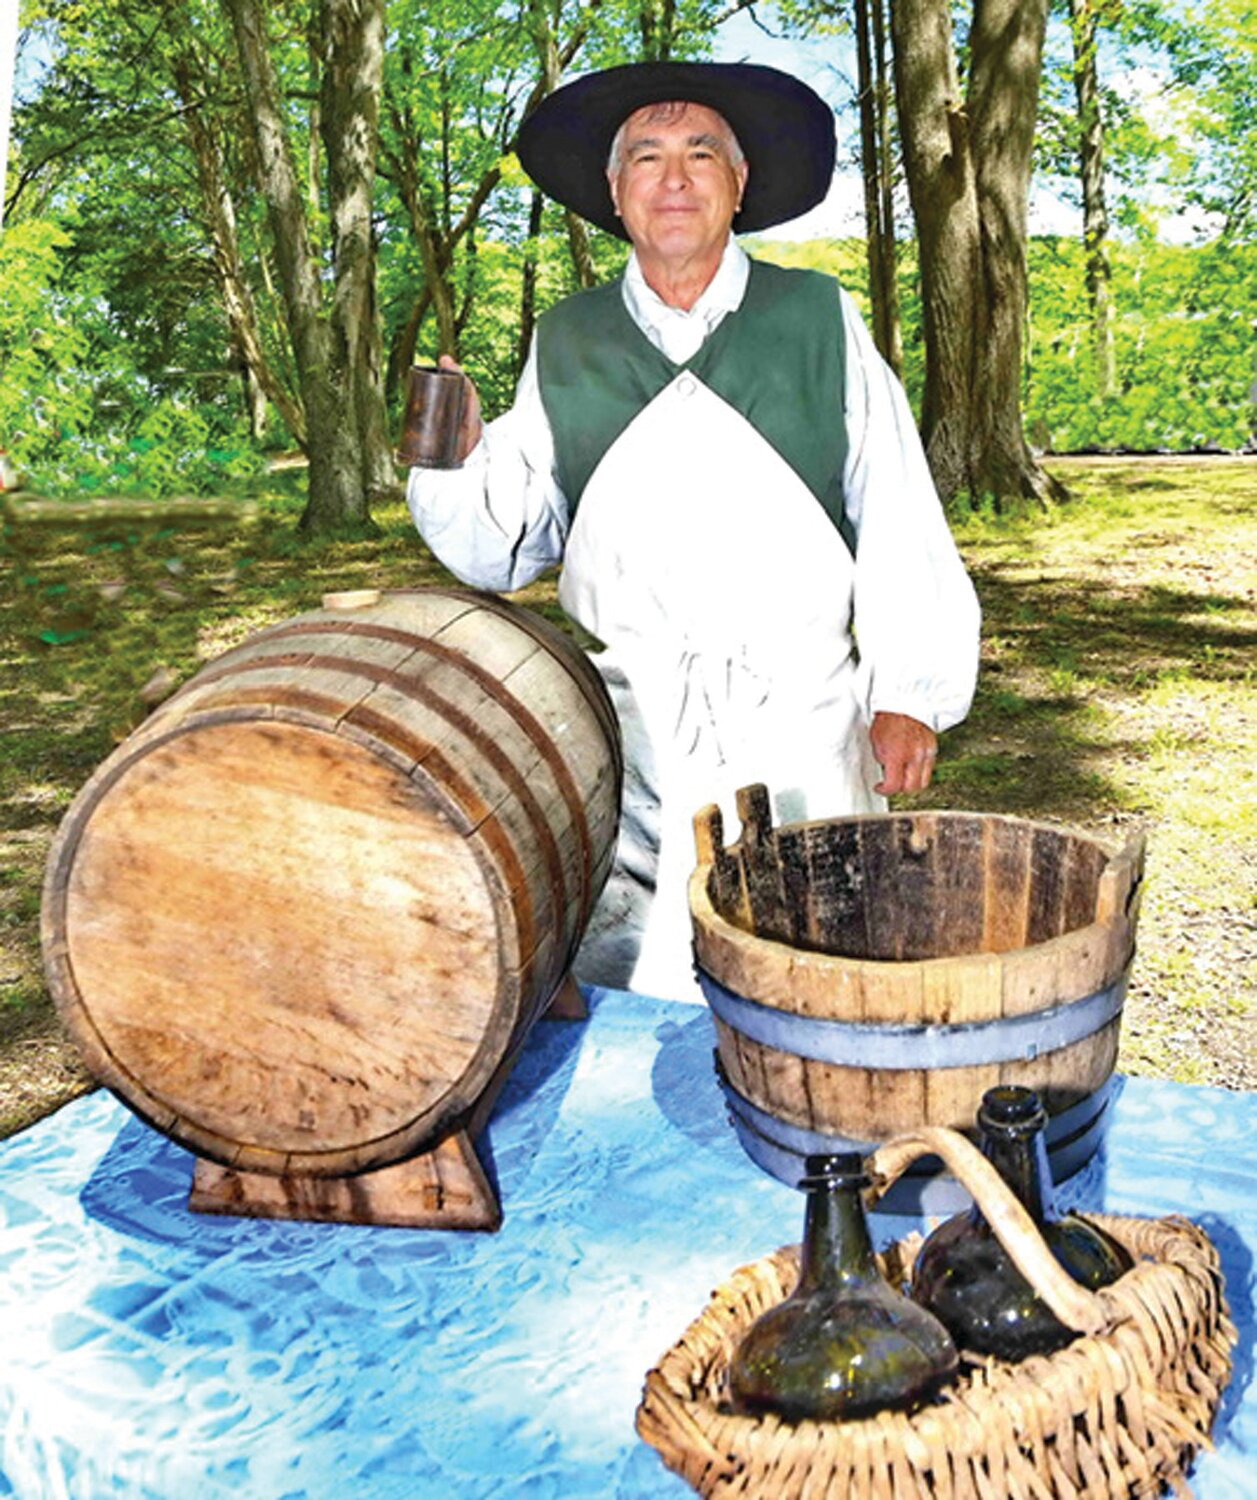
(1061, 1127)
(780, 1149)
(898, 1045)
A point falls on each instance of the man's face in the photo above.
(676, 186)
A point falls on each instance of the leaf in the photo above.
(61, 637)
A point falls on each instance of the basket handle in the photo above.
(1074, 1305)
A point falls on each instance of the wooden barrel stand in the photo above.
(303, 919)
(874, 974)
(443, 1187)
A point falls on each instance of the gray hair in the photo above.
(671, 109)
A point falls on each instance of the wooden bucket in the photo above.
(869, 975)
(303, 918)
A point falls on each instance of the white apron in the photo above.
(723, 593)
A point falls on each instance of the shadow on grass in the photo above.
(1035, 742)
(1123, 636)
(1045, 765)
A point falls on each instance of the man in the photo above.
(732, 479)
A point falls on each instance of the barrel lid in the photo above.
(281, 951)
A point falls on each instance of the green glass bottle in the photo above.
(844, 1343)
(966, 1277)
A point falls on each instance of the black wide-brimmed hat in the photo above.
(785, 129)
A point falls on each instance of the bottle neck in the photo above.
(1020, 1157)
(837, 1250)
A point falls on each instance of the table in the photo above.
(151, 1352)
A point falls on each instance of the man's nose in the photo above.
(676, 172)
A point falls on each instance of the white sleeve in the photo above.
(501, 519)
(916, 614)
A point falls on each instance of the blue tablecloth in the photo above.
(149, 1351)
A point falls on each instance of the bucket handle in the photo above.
(1074, 1305)
(1121, 880)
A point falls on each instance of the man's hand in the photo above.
(471, 426)
(905, 749)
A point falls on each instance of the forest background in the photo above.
(230, 228)
(226, 227)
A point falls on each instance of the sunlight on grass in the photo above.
(217, 636)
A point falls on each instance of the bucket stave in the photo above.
(872, 974)
(306, 914)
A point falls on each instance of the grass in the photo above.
(1118, 692)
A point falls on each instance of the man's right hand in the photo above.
(906, 749)
(471, 427)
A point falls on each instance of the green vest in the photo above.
(779, 360)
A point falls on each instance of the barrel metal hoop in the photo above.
(494, 687)
(896, 1045)
(579, 667)
(418, 692)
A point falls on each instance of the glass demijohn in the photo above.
(844, 1343)
(966, 1277)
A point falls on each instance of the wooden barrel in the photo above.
(875, 973)
(306, 913)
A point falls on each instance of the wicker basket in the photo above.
(1120, 1412)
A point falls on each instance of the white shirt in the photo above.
(726, 598)
(501, 520)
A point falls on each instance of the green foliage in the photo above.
(135, 388)
(41, 344)
(1178, 101)
(1183, 332)
(51, 391)
(117, 368)
(172, 449)
(1184, 340)
(1209, 49)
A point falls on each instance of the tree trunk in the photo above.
(1095, 224)
(578, 244)
(875, 169)
(219, 212)
(432, 251)
(552, 63)
(402, 354)
(314, 186)
(889, 259)
(968, 170)
(528, 282)
(657, 27)
(469, 285)
(344, 415)
(255, 404)
(869, 161)
(352, 82)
